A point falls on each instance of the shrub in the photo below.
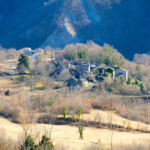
(136, 82)
(109, 71)
(101, 78)
(94, 86)
(129, 81)
(121, 80)
(130, 90)
(72, 104)
(90, 79)
(97, 71)
(8, 110)
(5, 142)
(141, 87)
(115, 83)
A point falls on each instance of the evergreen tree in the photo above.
(138, 69)
(65, 111)
(45, 143)
(23, 60)
(79, 113)
(73, 55)
(29, 143)
(81, 127)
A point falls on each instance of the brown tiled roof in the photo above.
(64, 60)
(124, 70)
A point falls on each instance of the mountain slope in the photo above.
(31, 23)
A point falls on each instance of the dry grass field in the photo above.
(10, 84)
(69, 136)
(111, 117)
(40, 101)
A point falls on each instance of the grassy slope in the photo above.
(5, 71)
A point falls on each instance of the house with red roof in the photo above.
(64, 62)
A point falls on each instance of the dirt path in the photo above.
(69, 136)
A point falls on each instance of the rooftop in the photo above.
(124, 69)
(64, 60)
(58, 69)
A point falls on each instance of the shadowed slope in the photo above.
(121, 23)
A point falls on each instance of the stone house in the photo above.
(83, 67)
(123, 72)
(64, 62)
(76, 83)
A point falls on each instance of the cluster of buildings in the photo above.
(36, 53)
(77, 74)
(30, 52)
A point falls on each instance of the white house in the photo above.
(28, 51)
(122, 72)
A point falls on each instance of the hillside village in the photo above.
(77, 74)
(74, 75)
(76, 89)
